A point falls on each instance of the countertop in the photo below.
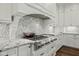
(9, 44)
(71, 33)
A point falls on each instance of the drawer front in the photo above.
(68, 36)
(42, 53)
(9, 52)
(4, 53)
(12, 51)
(46, 50)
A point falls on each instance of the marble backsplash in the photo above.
(29, 24)
(4, 31)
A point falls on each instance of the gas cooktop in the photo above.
(38, 37)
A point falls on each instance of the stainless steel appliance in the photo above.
(40, 44)
(40, 40)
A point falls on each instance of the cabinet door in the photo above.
(68, 17)
(11, 52)
(76, 40)
(60, 16)
(50, 49)
(4, 53)
(40, 52)
(71, 15)
(69, 40)
(5, 11)
(75, 14)
(24, 50)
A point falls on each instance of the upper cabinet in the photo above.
(71, 14)
(5, 12)
(60, 15)
(75, 14)
(68, 14)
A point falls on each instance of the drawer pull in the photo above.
(6, 55)
(41, 54)
(51, 47)
(29, 46)
(0, 50)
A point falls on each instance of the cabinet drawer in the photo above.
(68, 36)
(4, 53)
(9, 52)
(39, 53)
(12, 51)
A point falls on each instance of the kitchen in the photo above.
(38, 29)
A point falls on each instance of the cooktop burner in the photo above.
(37, 37)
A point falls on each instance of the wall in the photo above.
(29, 24)
(25, 9)
(35, 25)
(48, 26)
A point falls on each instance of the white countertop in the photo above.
(70, 33)
(6, 44)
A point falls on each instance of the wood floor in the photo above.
(67, 51)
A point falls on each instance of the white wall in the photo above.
(19, 9)
(35, 25)
(48, 26)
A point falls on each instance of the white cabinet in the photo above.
(71, 40)
(71, 15)
(10, 52)
(40, 52)
(74, 14)
(5, 12)
(24, 50)
(60, 15)
(48, 50)
(51, 49)
(68, 40)
(76, 39)
(68, 14)
(67, 17)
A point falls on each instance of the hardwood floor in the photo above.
(67, 51)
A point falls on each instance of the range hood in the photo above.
(39, 16)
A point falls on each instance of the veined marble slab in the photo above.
(5, 45)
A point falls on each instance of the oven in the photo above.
(40, 44)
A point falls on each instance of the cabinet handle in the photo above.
(0, 50)
(6, 55)
(51, 47)
(29, 46)
(41, 54)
